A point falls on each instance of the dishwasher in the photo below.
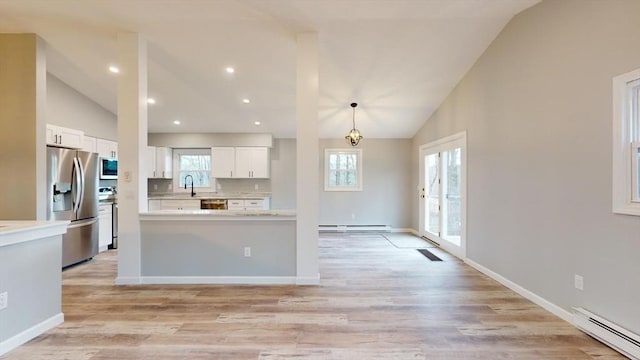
(213, 204)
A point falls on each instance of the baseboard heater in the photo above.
(619, 338)
(358, 228)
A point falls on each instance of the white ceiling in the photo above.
(398, 59)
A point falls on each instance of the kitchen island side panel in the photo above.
(187, 248)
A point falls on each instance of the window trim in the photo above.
(622, 176)
(176, 169)
(327, 153)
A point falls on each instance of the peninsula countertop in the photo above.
(17, 231)
(220, 215)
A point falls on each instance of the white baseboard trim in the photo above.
(308, 280)
(538, 300)
(237, 280)
(403, 230)
(128, 280)
(21, 338)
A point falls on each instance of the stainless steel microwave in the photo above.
(108, 168)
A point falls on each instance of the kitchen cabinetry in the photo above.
(240, 162)
(64, 137)
(248, 204)
(107, 148)
(159, 162)
(252, 162)
(223, 162)
(174, 204)
(89, 143)
(105, 237)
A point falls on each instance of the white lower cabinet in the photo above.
(105, 236)
(248, 204)
(174, 204)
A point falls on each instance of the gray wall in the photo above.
(216, 247)
(203, 140)
(385, 198)
(537, 108)
(68, 108)
(33, 283)
(283, 174)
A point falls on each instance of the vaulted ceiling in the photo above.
(398, 59)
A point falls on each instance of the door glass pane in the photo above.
(636, 171)
(432, 194)
(451, 187)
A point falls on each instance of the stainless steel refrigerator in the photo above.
(72, 194)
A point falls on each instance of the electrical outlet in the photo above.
(4, 300)
(578, 282)
(247, 251)
(155, 186)
(256, 186)
(353, 216)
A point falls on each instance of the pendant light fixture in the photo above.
(354, 136)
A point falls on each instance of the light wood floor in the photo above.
(376, 301)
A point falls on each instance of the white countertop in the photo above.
(218, 215)
(17, 231)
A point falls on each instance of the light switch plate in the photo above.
(578, 282)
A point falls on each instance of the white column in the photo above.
(132, 144)
(307, 159)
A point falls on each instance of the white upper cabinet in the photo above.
(150, 161)
(164, 163)
(107, 148)
(159, 162)
(240, 162)
(64, 137)
(252, 162)
(90, 144)
(223, 161)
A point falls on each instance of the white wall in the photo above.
(69, 108)
(537, 110)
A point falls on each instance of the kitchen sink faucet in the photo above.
(185, 184)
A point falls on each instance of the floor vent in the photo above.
(359, 228)
(619, 338)
(429, 255)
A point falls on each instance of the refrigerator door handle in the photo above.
(81, 184)
(80, 223)
(77, 184)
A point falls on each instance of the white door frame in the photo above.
(458, 140)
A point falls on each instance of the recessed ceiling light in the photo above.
(151, 101)
(114, 69)
(256, 122)
(246, 101)
(176, 122)
(230, 70)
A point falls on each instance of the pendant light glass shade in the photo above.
(354, 136)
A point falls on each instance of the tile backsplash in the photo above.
(222, 185)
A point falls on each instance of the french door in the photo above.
(443, 193)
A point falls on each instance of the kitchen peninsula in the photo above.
(30, 280)
(218, 247)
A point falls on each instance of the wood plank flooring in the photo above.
(375, 301)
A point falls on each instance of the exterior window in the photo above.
(194, 162)
(343, 170)
(626, 143)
